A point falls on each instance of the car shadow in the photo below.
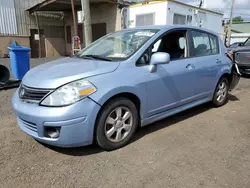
(182, 116)
(232, 97)
(245, 76)
(143, 131)
(177, 118)
(76, 151)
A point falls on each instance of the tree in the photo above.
(238, 19)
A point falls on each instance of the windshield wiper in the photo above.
(97, 57)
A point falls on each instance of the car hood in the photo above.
(59, 72)
(241, 48)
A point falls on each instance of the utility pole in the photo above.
(230, 24)
(86, 22)
(74, 17)
(38, 32)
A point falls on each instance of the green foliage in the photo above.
(238, 19)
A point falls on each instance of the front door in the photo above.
(173, 84)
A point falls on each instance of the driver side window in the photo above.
(174, 43)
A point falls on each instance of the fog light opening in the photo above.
(52, 132)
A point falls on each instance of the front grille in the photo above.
(29, 125)
(242, 58)
(32, 94)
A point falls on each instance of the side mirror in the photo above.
(157, 59)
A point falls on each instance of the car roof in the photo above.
(169, 27)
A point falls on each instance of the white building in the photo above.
(169, 12)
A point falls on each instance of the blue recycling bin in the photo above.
(19, 60)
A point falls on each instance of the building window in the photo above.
(179, 19)
(145, 19)
(68, 33)
(189, 20)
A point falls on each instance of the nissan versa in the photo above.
(123, 80)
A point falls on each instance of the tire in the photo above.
(116, 124)
(221, 90)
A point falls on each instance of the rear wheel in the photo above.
(221, 92)
(116, 124)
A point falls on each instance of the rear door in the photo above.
(207, 60)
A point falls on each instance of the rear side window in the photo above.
(201, 44)
(214, 44)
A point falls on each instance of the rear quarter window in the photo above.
(214, 44)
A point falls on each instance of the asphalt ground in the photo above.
(201, 147)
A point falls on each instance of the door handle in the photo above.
(218, 61)
(190, 67)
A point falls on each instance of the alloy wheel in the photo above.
(118, 124)
(221, 92)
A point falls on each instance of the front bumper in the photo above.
(76, 122)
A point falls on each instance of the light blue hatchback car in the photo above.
(123, 80)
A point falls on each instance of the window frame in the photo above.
(188, 37)
(209, 34)
(217, 43)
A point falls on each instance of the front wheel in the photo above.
(116, 124)
(221, 92)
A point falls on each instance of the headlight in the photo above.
(69, 93)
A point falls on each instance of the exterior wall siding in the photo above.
(15, 20)
(112, 17)
(16, 23)
(212, 21)
(164, 15)
(158, 9)
(103, 13)
(52, 23)
(25, 22)
(6, 41)
(8, 23)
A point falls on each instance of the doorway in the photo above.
(98, 31)
(34, 43)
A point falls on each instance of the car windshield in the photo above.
(117, 46)
(234, 45)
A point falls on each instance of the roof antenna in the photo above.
(200, 3)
